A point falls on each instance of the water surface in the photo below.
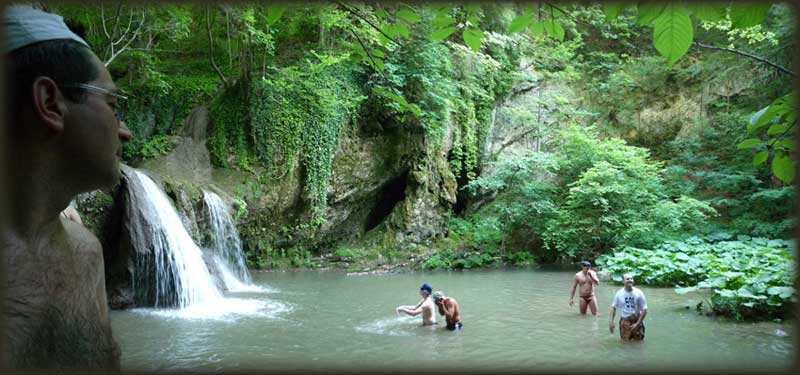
(513, 320)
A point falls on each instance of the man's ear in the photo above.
(48, 103)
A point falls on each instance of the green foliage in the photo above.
(751, 278)
(590, 196)
(779, 142)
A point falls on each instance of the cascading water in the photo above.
(176, 266)
(226, 245)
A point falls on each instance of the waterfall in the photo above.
(173, 272)
(226, 245)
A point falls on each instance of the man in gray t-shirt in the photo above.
(633, 308)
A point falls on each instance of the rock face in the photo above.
(392, 179)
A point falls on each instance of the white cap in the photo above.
(23, 25)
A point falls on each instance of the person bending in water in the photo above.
(425, 306)
(633, 309)
(587, 279)
(450, 309)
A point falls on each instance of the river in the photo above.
(513, 320)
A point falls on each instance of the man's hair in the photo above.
(65, 61)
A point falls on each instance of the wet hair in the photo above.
(63, 60)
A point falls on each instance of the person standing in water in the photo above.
(424, 307)
(587, 279)
(633, 309)
(450, 309)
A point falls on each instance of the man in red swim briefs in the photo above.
(587, 279)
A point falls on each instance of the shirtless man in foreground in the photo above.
(587, 279)
(63, 136)
(425, 306)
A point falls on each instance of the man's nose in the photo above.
(124, 133)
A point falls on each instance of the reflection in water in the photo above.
(513, 320)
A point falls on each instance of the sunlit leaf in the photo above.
(274, 13)
(442, 33)
(748, 143)
(554, 29)
(760, 158)
(402, 30)
(777, 129)
(788, 144)
(519, 23)
(672, 33)
(782, 291)
(472, 38)
(783, 168)
(649, 11)
(747, 15)
(537, 28)
(408, 15)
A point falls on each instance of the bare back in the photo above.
(55, 303)
(428, 318)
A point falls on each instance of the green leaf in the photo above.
(783, 168)
(519, 23)
(783, 291)
(377, 64)
(443, 18)
(389, 30)
(381, 14)
(401, 29)
(672, 34)
(554, 29)
(472, 37)
(744, 16)
(611, 10)
(473, 8)
(274, 13)
(707, 12)
(377, 53)
(442, 33)
(537, 28)
(649, 11)
(748, 143)
(788, 144)
(408, 15)
(414, 109)
(473, 20)
(777, 129)
(760, 158)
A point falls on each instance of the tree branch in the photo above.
(365, 20)
(757, 58)
(364, 47)
(128, 43)
(211, 47)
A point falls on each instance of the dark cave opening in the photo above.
(391, 193)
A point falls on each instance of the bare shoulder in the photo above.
(84, 245)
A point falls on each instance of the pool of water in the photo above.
(513, 320)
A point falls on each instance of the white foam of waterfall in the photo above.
(177, 258)
(227, 246)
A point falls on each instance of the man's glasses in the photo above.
(119, 107)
